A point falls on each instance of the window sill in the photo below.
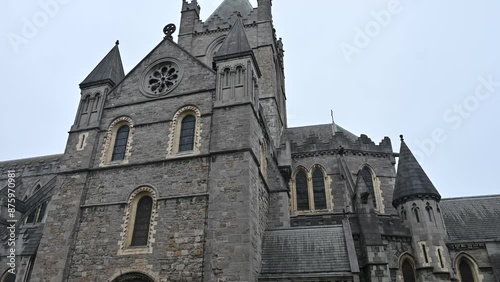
(136, 250)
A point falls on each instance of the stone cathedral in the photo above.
(184, 169)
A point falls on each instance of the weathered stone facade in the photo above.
(250, 199)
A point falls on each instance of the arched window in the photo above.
(466, 272)
(416, 212)
(408, 271)
(41, 212)
(403, 213)
(120, 143)
(8, 277)
(319, 190)
(227, 75)
(142, 221)
(430, 212)
(188, 128)
(185, 132)
(133, 277)
(239, 75)
(301, 191)
(31, 216)
(368, 178)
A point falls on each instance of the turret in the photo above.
(94, 88)
(190, 15)
(108, 73)
(417, 202)
(265, 10)
(237, 70)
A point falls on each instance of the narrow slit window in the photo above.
(301, 191)
(440, 258)
(226, 78)
(142, 222)
(188, 127)
(319, 190)
(120, 143)
(424, 250)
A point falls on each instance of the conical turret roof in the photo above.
(411, 179)
(109, 70)
(235, 44)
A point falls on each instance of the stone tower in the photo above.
(417, 202)
(204, 38)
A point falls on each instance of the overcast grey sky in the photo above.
(427, 69)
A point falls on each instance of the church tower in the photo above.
(204, 38)
(417, 202)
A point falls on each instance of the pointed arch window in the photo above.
(416, 212)
(466, 271)
(142, 222)
(41, 212)
(408, 271)
(368, 178)
(430, 212)
(188, 128)
(120, 143)
(302, 191)
(319, 190)
(311, 190)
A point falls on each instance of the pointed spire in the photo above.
(236, 43)
(227, 8)
(109, 70)
(411, 179)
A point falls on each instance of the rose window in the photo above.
(162, 78)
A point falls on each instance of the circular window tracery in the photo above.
(161, 78)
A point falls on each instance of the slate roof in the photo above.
(472, 218)
(110, 69)
(305, 250)
(30, 161)
(235, 44)
(322, 131)
(227, 8)
(31, 240)
(411, 179)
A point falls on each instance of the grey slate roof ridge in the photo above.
(304, 227)
(471, 197)
(26, 161)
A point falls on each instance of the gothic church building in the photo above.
(184, 169)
